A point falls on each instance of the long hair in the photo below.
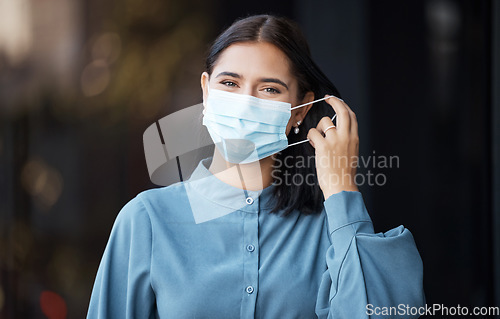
(305, 196)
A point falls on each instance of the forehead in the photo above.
(254, 59)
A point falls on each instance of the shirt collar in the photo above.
(211, 198)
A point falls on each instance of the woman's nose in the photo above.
(249, 90)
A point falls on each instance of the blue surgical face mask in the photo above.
(246, 129)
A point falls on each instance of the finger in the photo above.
(324, 125)
(343, 118)
(315, 138)
(354, 121)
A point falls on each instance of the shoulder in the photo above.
(162, 197)
(149, 199)
(157, 203)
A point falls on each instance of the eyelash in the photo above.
(267, 90)
(229, 82)
(274, 91)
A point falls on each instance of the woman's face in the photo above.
(259, 69)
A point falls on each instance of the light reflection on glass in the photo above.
(42, 182)
(53, 305)
(107, 47)
(95, 78)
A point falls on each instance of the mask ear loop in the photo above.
(324, 98)
(298, 106)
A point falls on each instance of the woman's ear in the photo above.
(205, 78)
(301, 112)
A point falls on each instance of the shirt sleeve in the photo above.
(368, 275)
(122, 287)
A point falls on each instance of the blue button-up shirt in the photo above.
(205, 249)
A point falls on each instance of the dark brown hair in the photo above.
(286, 35)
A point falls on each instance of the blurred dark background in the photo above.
(80, 81)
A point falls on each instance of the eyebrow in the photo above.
(232, 74)
(273, 80)
(236, 75)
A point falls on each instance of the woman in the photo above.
(245, 236)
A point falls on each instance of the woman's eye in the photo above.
(229, 83)
(271, 90)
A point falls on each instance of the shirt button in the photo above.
(249, 200)
(249, 289)
(250, 248)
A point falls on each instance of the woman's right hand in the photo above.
(337, 150)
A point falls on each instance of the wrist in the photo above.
(337, 189)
